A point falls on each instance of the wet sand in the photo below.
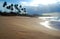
(16, 27)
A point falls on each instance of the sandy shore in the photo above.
(24, 28)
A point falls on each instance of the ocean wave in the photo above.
(51, 22)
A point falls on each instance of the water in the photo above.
(51, 22)
(55, 24)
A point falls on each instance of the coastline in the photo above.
(18, 27)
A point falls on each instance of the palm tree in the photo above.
(20, 6)
(24, 9)
(16, 7)
(10, 7)
(4, 4)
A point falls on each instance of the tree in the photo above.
(16, 7)
(24, 10)
(4, 4)
(10, 7)
(20, 6)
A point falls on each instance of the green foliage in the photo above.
(17, 7)
(4, 4)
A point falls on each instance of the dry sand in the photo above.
(16, 27)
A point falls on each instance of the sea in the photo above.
(52, 22)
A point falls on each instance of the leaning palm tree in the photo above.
(24, 10)
(10, 7)
(16, 7)
(4, 4)
(20, 6)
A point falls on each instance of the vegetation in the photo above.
(17, 7)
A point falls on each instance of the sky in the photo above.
(35, 6)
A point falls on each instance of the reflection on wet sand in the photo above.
(17, 27)
(46, 24)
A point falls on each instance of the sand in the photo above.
(17, 27)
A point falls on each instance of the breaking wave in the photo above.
(51, 22)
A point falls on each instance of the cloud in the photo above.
(36, 6)
(44, 9)
(38, 2)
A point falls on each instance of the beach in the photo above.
(19, 27)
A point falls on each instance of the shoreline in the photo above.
(24, 28)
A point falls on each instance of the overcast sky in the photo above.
(35, 6)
